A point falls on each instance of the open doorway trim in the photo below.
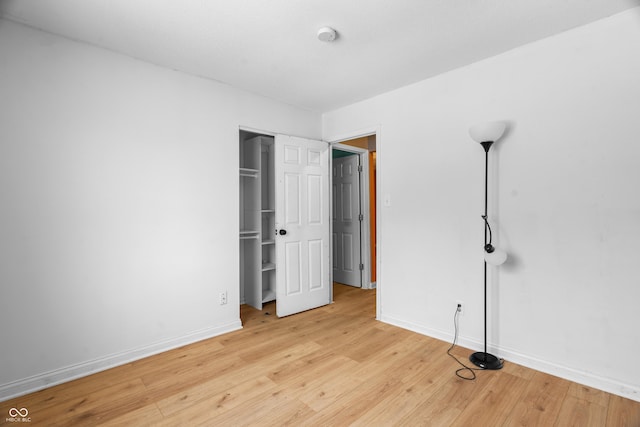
(364, 210)
(377, 131)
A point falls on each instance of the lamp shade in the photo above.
(489, 131)
(496, 257)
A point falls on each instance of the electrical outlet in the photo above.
(223, 298)
(460, 306)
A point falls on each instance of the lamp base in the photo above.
(485, 360)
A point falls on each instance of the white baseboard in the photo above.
(588, 379)
(69, 373)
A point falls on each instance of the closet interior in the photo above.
(257, 219)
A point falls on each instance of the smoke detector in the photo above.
(326, 34)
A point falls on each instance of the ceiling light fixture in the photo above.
(327, 34)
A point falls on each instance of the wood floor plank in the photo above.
(540, 403)
(146, 416)
(418, 388)
(623, 412)
(320, 394)
(332, 366)
(589, 394)
(217, 385)
(290, 372)
(270, 408)
(94, 408)
(163, 383)
(519, 371)
(312, 382)
(576, 412)
(406, 358)
(76, 389)
(446, 404)
(352, 404)
(215, 404)
(493, 403)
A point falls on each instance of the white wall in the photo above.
(119, 192)
(564, 202)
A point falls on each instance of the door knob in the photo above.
(282, 232)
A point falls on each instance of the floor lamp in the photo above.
(486, 134)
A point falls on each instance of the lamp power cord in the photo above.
(470, 372)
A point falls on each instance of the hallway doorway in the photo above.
(354, 211)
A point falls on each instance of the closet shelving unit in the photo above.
(257, 220)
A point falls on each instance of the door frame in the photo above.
(380, 213)
(363, 189)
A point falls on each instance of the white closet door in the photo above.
(303, 278)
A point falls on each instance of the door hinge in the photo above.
(361, 266)
(359, 168)
(361, 217)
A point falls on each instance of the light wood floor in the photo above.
(332, 366)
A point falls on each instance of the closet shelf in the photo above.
(268, 295)
(266, 266)
(251, 173)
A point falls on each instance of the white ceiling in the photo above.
(269, 47)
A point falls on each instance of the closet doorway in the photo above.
(285, 242)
